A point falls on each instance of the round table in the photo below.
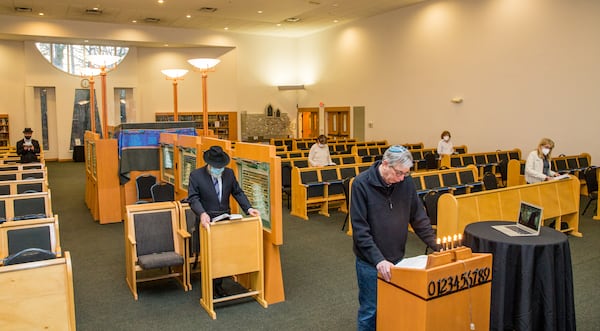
(532, 279)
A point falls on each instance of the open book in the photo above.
(227, 217)
(563, 176)
(416, 262)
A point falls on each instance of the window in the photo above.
(73, 59)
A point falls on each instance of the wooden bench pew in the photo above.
(40, 294)
(454, 180)
(23, 174)
(21, 166)
(41, 233)
(12, 187)
(320, 188)
(558, 198)
(25, 206)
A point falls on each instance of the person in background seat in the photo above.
(445, 146)
(319, 156)
(538, 164)
(28, 148)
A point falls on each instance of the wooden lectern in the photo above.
(451, 293)
(231, 248)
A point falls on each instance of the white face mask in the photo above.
(446, 138)
(321, 145)
(545, 150)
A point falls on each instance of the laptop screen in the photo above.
(530, 215)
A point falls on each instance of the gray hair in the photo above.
(398, 154)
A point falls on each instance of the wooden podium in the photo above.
(451, 293)
(232, 248)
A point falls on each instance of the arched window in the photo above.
(74, 59)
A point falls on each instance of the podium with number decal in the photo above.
(451, 293)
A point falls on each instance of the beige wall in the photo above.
(525, 69)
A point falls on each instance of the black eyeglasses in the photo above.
(400, 173)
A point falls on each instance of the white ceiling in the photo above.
(241, 16)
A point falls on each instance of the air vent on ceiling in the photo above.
(292, 19)
(208, 9)
(151, 20)
(93, 11)
(23, 9)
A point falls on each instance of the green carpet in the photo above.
(318, 273)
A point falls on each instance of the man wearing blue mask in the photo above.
(209, 190)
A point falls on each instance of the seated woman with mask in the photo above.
(319, 156)
(538, 164)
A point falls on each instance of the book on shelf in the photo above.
(226, 216)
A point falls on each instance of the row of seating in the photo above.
(150, 190)
(305, 143)
(559, 198)
(22, 166)
(23, 174)
(454, 180)
(30, 251)
(321, 188)
(575, 164)
(12, 187)
(302, 162)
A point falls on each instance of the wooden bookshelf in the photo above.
(4, 131)
(223, 124)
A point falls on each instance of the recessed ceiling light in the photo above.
(41, 14)
(226, 28)
(161, 1)
(188, 16)
(23, 9)
(134, 21)
(93, 11)
(278, 24)
(208, 9)
(335, 21)
(260, 11)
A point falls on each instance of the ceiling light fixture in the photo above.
(23, 9)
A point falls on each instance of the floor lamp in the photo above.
(174, 75)
(103, 61)
(204, 65)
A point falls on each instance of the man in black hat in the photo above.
(209, 189)
(28, 148)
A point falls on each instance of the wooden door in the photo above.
(309, 117)
(338, 121)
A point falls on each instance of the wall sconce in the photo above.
(290, 87)
(204, 65)
(174, 75)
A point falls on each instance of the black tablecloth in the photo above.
(532, 279)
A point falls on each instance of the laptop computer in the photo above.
(528, 223)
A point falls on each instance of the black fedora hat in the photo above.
(216, 157)
(27, 130)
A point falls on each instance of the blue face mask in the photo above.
(216, 172)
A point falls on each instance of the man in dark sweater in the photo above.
(383, 203)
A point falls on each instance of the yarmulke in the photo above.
(397, 149)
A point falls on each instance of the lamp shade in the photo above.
(174, 73)
(89, 72)
(204, 63)
(103, 60)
